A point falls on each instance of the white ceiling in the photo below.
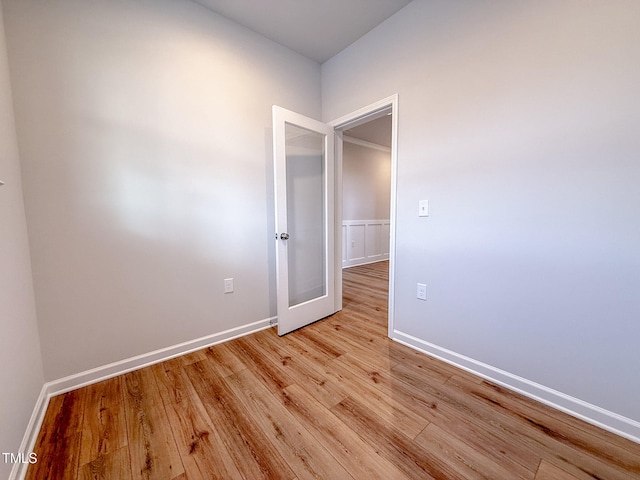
(376, 131)
(317, 29)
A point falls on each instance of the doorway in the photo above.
(300, 141)
(366, 245)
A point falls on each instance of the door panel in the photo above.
(304, 166)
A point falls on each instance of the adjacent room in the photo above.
(470, 204)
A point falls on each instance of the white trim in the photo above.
(610, 421)
(368, 262)
(353, 119)
(121, 367)
(337, 232)
(369, 255)
(30, 437)
(364, 143)
(95, 375)
(366, 114)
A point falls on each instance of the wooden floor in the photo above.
(335, 400)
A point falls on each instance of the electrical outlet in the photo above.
(228, 285)
(422, 291)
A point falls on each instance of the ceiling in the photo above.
(376, 131)
(317, 29)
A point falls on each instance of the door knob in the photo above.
(284, 236)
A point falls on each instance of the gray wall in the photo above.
(519, 122)
(21, 374)
(366, 183)
(145, 136)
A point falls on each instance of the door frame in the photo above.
(353, 119)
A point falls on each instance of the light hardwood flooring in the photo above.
(335, 400)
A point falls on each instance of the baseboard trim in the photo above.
(368, 262)
(19, 470)
(121, 367)
(95, 375)
(610, 421)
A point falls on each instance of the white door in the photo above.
(304, 208)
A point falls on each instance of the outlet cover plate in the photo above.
(422, 291)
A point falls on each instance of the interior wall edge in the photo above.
(593, 414)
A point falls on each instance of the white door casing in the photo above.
(363, 115)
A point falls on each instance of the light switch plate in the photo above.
(423, 208)
(228, 285)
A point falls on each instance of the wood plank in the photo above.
(306, 349)
(372, 353)
(306, 457)
(355, 455)
(576, 445)
(432, 366)
(115, 464)
(202, 451)
(267, 369)
(414, 399)
(468, 378)
(517, 430)
(548, 471)
(385, 406)
(439, 406)
(302, 371)
(104, 428)
(152, 447)
(575, 432)
(253, 454)
(186, 359)
(59, 440)
(224, 360)
(60, 462)
(361, 324)
(465, 460)
(408, 456)
(193, 357)
(319, 343)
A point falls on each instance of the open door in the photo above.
(303, 151)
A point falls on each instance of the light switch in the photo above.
(423, 208)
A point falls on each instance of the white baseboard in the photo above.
(95, 375)
(610, 421)
(19, 470)
(365, 263)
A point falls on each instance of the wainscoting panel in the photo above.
(345, 250)
(364, 241)
(372, 248)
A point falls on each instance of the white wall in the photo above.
(519, 122)
(145, 137)
(366, 182)
(21, 374)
